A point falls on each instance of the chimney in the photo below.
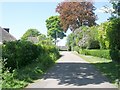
(6, 29)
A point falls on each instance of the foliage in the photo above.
(76, 48)
(116, 6)
(70, 41)
(47, 41)
(30, 33)
(17, 54)
(49, 49)
(97, 53)
(54, 29)
(93, 44)
(75, 14)
(42, 37)
(8, 80)
(84, 37)
(20, 77)
(115, 55)
(102, 35)
(113, 33)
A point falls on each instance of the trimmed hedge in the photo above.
(98, 53)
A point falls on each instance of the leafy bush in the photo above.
(9, 80)
(113, 33)
(76, 48)
(47, 60)
(115, 55)
(47, 49)
(84, 37)
(93, 44)
(17, 54)
(102, 35)
(83, 51)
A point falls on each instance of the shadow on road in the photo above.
(75, 73)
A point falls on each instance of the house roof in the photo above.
(5, 36)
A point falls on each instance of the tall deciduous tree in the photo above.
(76, 14)
(54, 29)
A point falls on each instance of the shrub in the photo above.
(113, 33)
(83, 51)
(8, 80)
(93, 44)
(115, 55)
(76, 48)
(40, 58)
(49, 49)
(19, 53)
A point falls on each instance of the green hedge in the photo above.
(32, 60)
(17, 54)
(97, 53)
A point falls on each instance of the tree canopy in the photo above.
(30, 33)
(75, 14)
(116, 6)
(54, 29)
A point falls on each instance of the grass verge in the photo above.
(107, 67)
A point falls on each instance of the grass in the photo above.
(106, 66)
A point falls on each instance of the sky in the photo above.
(21, 16)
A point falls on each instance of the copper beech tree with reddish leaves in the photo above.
(75, 14)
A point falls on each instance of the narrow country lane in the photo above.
(72, 72)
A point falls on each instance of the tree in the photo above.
(43, 40)
(30, 32)
(84, 37)
(54, 28)
(102, 35)
(113, 33)
(75, 14)
(116, 6)
(70, 41)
